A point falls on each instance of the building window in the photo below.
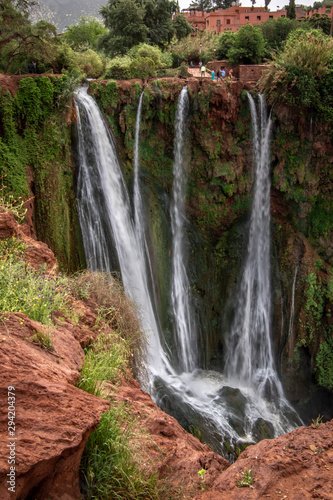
(247, 18)
(246, 10)
(259, 10)
(271, 17)
(283, 15)
(207, 23)
(218, 22)
(228, 21)
(258, 18)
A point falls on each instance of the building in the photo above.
(230, 19)
(321, 10)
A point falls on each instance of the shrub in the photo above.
(90, 63)
(147, 51)
(142, 67)
(301, 72)
(119, 68)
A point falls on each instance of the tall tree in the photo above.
(291, 9)
(125, 20)
(134, 21)
(182, 27)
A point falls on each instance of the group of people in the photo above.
(220, 74)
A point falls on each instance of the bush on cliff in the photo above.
(302, 73)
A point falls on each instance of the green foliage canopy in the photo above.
(276, 31)
(85, 33)
(19, 38)
(302, 73)
(125, 20)
(131, 22)
(182, 27)
(248, 47)
(224, 44)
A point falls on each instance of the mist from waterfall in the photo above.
(183, 314)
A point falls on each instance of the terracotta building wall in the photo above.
(321, 11)
(230, 19)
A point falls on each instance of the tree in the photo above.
(181, 27)
(223, 4)
(18, 37)
(291, 10)
(276, 31)
(135, 21)
(125, 20)
(248, 47)
(224, 44)
(85, 32)
(301, 74)
(204, 5)
(158, 19)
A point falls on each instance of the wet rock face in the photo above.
(53, 419)
(297, 465)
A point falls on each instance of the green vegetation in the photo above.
(20, 39)
(43, 339)
(111, 467)
(85, 34)
(35, 133)
(246, 480)
(301, 74)
(28, 290)
(248, 46)
(202, 473)
(119, 313)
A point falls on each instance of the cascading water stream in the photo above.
(102, 196)
(198, 397)
(292, 310)
(180, 291)
(249, 358)
(139, 219)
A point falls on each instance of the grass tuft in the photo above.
(109, 467)
(246, 480)
(116, 310)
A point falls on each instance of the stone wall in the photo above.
(250, 73)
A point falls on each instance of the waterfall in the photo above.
(105, 217)
(249, 356)
(292, 311)
(139, 218)
(180, 291)
(223, 410)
